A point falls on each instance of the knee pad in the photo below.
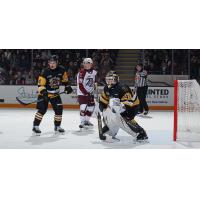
(58, 109)
(89, 110)
(83, 109)
(82, 113)
(42, 111)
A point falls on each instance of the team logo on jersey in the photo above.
(90, 82)
(54, 82)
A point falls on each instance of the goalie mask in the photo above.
(111, 78)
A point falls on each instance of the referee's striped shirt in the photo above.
(141, 78)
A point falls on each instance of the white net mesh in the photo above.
(188, 110)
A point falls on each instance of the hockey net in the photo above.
(186, 110)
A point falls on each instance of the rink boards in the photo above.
(158, 98)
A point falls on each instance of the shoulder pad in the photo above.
(44, 71)
(82, 72)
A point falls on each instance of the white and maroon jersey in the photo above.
(86, 82)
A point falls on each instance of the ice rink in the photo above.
(16, 132)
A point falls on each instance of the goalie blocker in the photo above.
(119, 107)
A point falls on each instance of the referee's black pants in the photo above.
(142, 93)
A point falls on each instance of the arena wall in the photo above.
(158, 98)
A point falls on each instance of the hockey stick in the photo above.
(101, 135)
(35, 101)
(99, 121)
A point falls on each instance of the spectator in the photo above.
(24, 66)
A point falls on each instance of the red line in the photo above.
(175, 108)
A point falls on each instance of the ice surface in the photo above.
(16, 132)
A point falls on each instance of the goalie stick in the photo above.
(35, 101)
(99, 121)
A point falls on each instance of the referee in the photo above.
(141, 88)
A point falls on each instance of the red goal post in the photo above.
(175, 108)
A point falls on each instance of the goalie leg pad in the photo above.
(105, 129)
(109, 120)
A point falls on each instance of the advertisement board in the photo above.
(157, 97)
(160, 96)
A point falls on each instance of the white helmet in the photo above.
(87, 60)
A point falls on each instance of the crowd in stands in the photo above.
(195, 64)
(157, 61)
(24, 66)
(15, 66)
(104, 61)
(160, 61)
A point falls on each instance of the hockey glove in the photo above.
(68, 89)
(44, 94)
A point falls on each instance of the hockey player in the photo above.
(119, 107)
(48, 90)
(85, 91)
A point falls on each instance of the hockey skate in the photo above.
(140, 112)
(142, 137)
(82, 125)
(59, 130)
(88, 125)
(36, 131)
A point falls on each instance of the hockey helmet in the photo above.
(87, 61)
(53, 58)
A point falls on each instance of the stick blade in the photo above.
(21, 102)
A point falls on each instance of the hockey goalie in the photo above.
(119, 107)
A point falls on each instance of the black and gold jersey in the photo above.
(123, 92)
(51, 79)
